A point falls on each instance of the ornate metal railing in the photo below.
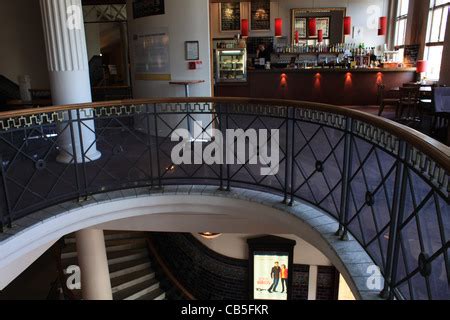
(386, 184)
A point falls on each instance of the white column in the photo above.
(68, 66)
(93, 262)
(312, 286)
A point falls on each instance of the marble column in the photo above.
(68, 66)
(93, 262)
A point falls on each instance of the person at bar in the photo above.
(262, 56)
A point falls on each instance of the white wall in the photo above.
(235, 246)
(357, 9)
(187, 21)
(22, 38)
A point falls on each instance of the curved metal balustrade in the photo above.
(386, 184)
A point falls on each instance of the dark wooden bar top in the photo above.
(334, 86)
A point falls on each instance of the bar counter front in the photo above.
(333, 86)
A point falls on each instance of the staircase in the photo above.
(130, 267)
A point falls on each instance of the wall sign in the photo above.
(270, 268)
(230, 16)
(145, 8)
(192, 50)
(260, 14)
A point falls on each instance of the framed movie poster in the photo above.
(145, 8)
(260, 15)
(270, 268)
(230, 16)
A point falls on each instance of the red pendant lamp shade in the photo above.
(244, 28)
(421, 66)
(320, 35)
(297, 37)
(278, 27)
(347, 26)
(312, 27)
(383, 26)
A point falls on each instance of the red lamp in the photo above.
(383, 26)
(320, 35)
(244, 28)
(278, 27)
(297, 37)
(421, 66)
(347, 26)
(312, 27)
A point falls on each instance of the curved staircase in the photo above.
(130, 266)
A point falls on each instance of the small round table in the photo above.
(186, 84)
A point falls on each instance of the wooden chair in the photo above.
(409, 101)
(385, 99)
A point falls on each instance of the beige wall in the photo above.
(23, 49)
(357, 9)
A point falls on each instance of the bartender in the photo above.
(262, 56)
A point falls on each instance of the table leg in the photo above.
(189, 125)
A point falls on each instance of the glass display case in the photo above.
(231, 65)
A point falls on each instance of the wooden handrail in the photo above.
(429, 146)
(166, 270)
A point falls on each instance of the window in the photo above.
(401, 19)
(437, 23)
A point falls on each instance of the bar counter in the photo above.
(333, 86)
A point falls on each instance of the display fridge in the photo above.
(231, 65)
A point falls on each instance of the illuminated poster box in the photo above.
(270, 268)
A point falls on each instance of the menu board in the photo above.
(411, 55)
(260, 15)
(230, 16)
(145, 8)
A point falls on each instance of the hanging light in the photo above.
(278, 27)
(244, 28)
(320, 35)
(347, 26)
(312, 27)
(210, 235)
(382, 31)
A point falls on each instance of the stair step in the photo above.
(121, 269)
(155, 295)
(112, 235)
(120, 235)
(137, 291)
(131, 279)
(70, 251)
(127, 255)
